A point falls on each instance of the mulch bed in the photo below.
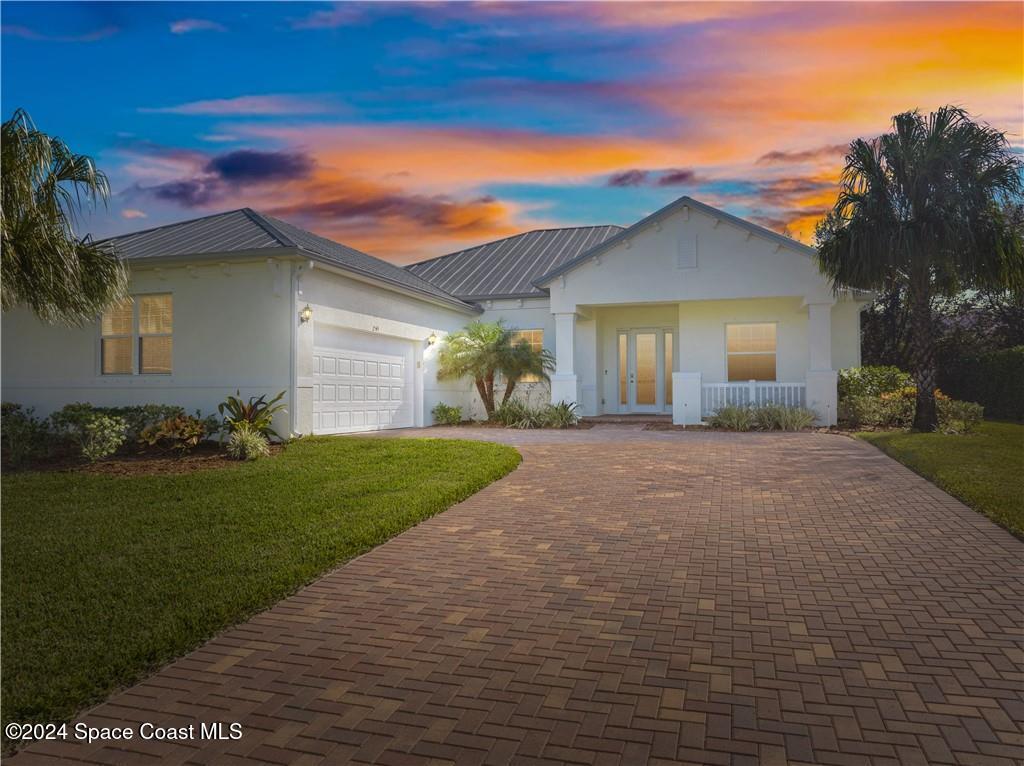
(840, 429)
(581, 426)
(148, 463)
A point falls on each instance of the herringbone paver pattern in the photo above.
(626, 597)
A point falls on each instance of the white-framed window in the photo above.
(536, 340)
(750, 350)
(136, 336)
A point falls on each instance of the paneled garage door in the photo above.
(358, 390)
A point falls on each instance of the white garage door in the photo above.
(361, 382)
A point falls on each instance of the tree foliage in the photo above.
(923, 209)
(45, 266)
(487, 351)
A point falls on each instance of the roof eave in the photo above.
(298, 253)
(452, 301)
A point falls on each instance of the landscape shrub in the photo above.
(446, 415)
(518, 414)
(139, 416)
(778, 417)
(23, 436)
(511, 413)
(872, 381)
(956, 417)
(993, 379)
(257, 412)
(181, 433)
(733, 418)
(246, 443)
(561, 415)
(92, 432)
(891, 411)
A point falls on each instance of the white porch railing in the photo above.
(714, 396)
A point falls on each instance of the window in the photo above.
(536, 340)
(750, 351)
(116, 345)
(147, 319)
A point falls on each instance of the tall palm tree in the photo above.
(486, 351)
(61, 277)
(924, 207)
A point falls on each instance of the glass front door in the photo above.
(645, 370)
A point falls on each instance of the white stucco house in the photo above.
(680, 313)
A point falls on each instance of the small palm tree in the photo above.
(61, 277)
(486, 351)
(923, 207)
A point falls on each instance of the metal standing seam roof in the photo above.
(246, 230)
(508, 267)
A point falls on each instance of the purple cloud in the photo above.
(807, 155)
(677, 177)
(628, 178)
(184, 26)
(642, 177)
(229, 173)
(251, 166)
(246, 105)
(87, 37)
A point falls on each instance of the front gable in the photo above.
(687, 251)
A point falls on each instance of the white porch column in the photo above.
(565, 383)
(822, 380)
(686, 384)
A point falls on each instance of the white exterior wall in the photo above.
(231, 331)
(657, 267)
(520, 314)
(846, 334)
(341, 301)
(702, 335)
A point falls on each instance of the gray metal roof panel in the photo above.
(246, 230)
(508, 267)
(221, 233)
(355, 260)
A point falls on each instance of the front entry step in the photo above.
(631, 419)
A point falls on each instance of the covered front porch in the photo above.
(687, 359)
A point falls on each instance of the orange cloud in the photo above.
(757, 106)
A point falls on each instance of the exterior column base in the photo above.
(686, 407)
(823, 395)
(566, 388)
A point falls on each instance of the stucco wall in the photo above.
(231, 331)
(341, 301)
(525, 314)
(846, 334)
(687, 256)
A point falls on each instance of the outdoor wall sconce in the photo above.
(432, 339)
(306, 314)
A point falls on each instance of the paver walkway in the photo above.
(630, 597)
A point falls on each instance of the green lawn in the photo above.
(983, 469)
(106, 578)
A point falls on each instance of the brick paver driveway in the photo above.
(631, 597)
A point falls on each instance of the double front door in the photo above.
(645, 370)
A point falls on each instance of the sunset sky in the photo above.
(411, 130)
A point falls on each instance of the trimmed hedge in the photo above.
(994, 379)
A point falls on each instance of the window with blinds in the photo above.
(145, 323)
(535, 339)
(750, 351)
(156, 318)
(116, 343)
